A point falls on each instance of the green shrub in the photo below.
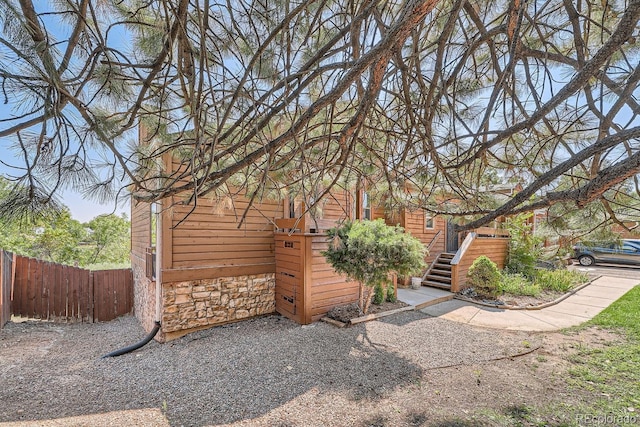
(517, 284)
(378, 294)
(484, 276)
(559, 280)
(391, 294)
(523, 246)
(367, 251)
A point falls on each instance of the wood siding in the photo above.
(337, 206)
(206, 239)
(45, 290)
(140, 232)
(495, 248)
(307, 287)
(414, 223)
(290, 275)
(328, 288)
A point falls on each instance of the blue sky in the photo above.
(81, 209)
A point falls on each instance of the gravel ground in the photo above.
(266, 371)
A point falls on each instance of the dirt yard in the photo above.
(404, 370)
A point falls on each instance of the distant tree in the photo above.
(109, 239)
(49, 234)
(524, 246)
(57, 240)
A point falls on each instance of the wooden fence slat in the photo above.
(92, 298)
(22, 291)
(62, 293)
(86, 295)
(25, 287)
(97, 296)
(31, 288)
(54, 300)
(17, 288)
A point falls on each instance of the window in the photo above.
(366, 207)
(428, 220)
(292, 208)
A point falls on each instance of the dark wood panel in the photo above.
(213, 272)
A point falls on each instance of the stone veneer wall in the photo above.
(144, 299)
(199, 304)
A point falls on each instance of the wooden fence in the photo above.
(56, 292)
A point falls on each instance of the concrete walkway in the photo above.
(576, 309)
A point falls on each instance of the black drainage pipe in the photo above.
(133, 347)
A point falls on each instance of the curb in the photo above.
(531, 308)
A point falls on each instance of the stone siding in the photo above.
(144, 298)
(202, 303)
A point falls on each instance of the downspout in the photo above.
(158, 278)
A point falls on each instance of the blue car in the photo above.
(627, 252)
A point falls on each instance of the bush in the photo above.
(378, 294)
(391, 294)
(523, 246)
(517, 284)
(559, 280)
(484, 276)
(367, 251)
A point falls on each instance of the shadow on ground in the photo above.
(235, 373)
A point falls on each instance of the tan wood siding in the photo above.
(290, 279)
(378, 212)
(328, 288)
(140, 232)
(336, 206)
(414, 223)
(307, 287)
(494, 248)
(209, 235)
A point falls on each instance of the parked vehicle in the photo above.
(624, 253)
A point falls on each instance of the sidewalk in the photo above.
(576, 309)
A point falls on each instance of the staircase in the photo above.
(439, 273)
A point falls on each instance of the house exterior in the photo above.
(197, 266)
